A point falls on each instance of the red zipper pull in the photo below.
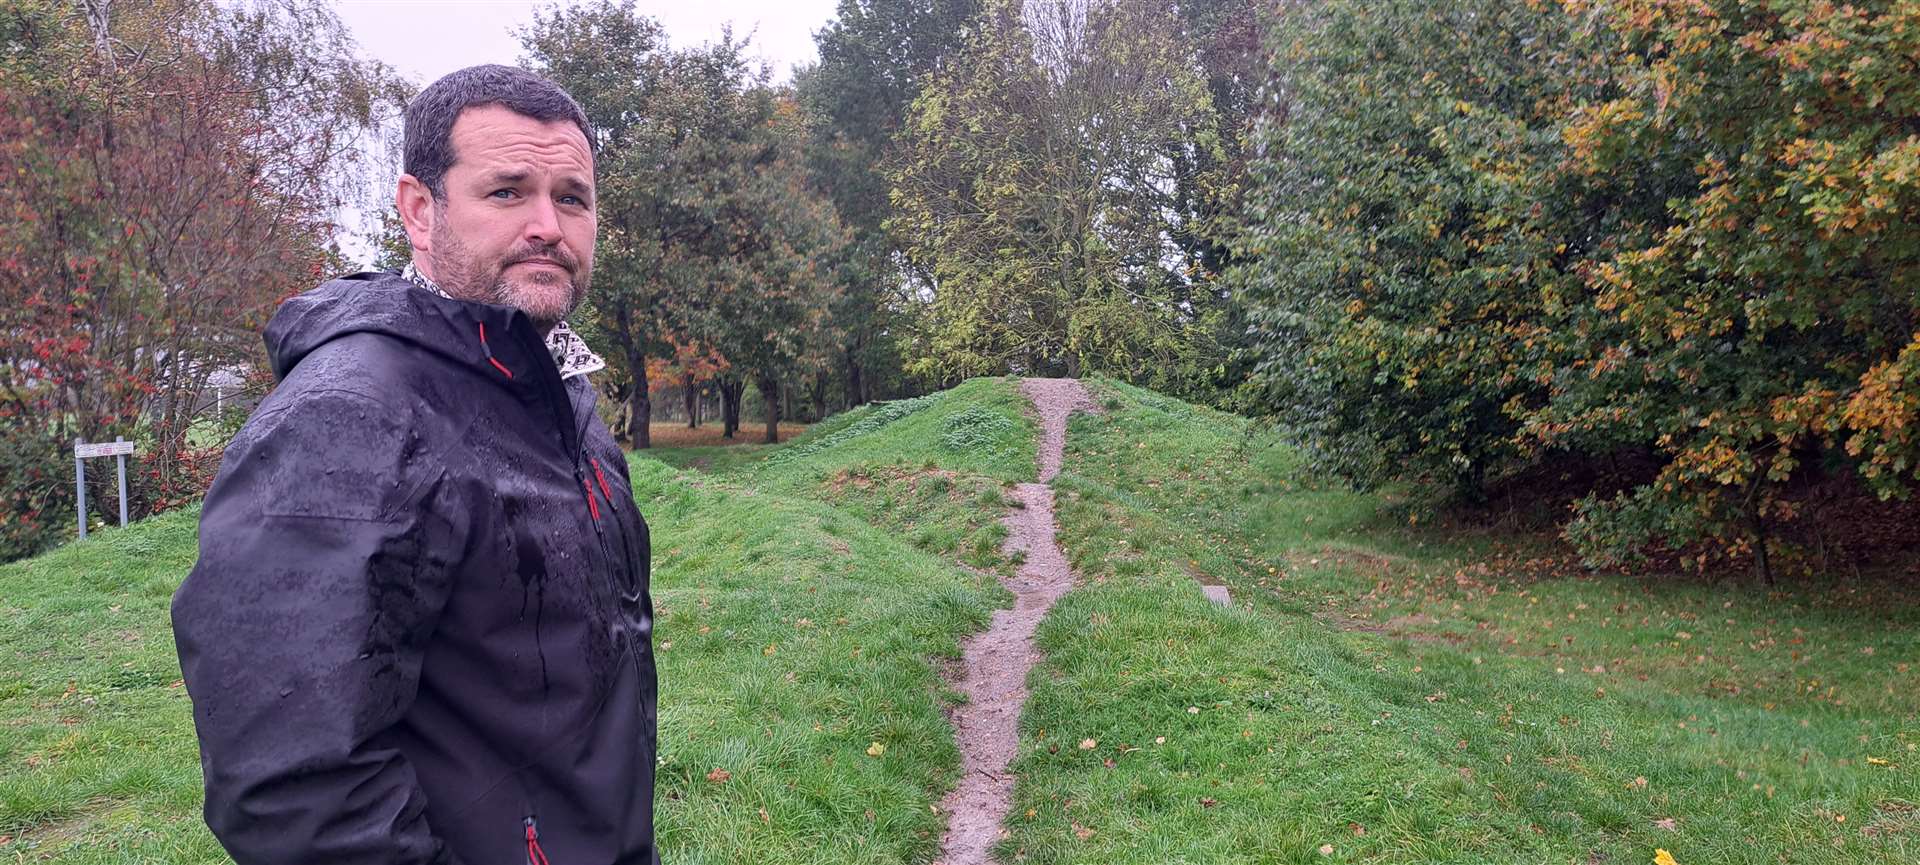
(489, 350)
(593, 505)
(535, 855)
(603, 480)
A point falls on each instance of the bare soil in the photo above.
(996, 661)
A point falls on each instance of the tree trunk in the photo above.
(640, 405)
(1757, 522)
(770, 390)
(819, 397)
(856, 387)
(622, 426)
(693, 404)
(731, 391)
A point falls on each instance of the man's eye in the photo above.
(573, 199)
(501, 193)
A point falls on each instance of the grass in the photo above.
(97, 759)
(1377, 696)
(792, 636)
(791, 639)
(1379, 692)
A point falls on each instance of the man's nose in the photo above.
(543, 222)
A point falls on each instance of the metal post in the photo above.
(80, 486)
(122, 460)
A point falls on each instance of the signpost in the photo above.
(119, 449)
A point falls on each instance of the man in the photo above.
(419, 628)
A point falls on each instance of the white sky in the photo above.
(425, 39)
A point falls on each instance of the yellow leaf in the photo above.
(876, 749)
(1662, 857)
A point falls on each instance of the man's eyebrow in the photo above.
(575, 184)
(508, 175)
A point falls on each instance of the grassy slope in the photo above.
(883, 603)
(1370, 694)
(792, 636)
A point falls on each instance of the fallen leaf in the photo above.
(1876, 761)
(1082, 832)
(1662, 857)
(1326, 849)
(1088, 744)
(876, 749)
(1667, 823)
(719, 775)
(1208, 801)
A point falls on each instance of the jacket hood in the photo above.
(385, 303)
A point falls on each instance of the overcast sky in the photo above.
(425, 39)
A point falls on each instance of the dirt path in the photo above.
(997, 660)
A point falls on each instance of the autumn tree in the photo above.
(171, 178)
(1771, 320)
(1496, 234)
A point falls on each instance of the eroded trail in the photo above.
(998, 659)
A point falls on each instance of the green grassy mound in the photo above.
(801, 710)
(1372, 697)
(1379, 692)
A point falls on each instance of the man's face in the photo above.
(517, 224)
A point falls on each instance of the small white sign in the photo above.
(103, 449)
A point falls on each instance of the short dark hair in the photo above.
(428, 148)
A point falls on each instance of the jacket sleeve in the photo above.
(324, 564)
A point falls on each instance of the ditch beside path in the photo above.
(996, 661)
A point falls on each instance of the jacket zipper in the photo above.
(535, 855)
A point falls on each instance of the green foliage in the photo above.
(1774, 314)
(392, 249)
(1490, 234)
(875, 57)
(1034, 198)
(712, 239)
(1400, 243)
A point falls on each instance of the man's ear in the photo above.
(415, 202)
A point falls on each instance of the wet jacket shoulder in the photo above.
(418, 629)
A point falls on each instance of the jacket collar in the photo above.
(570, 353)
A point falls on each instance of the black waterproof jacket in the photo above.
(419, 628)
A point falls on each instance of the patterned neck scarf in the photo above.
(570, 352)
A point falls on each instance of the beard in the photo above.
(547, 297)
